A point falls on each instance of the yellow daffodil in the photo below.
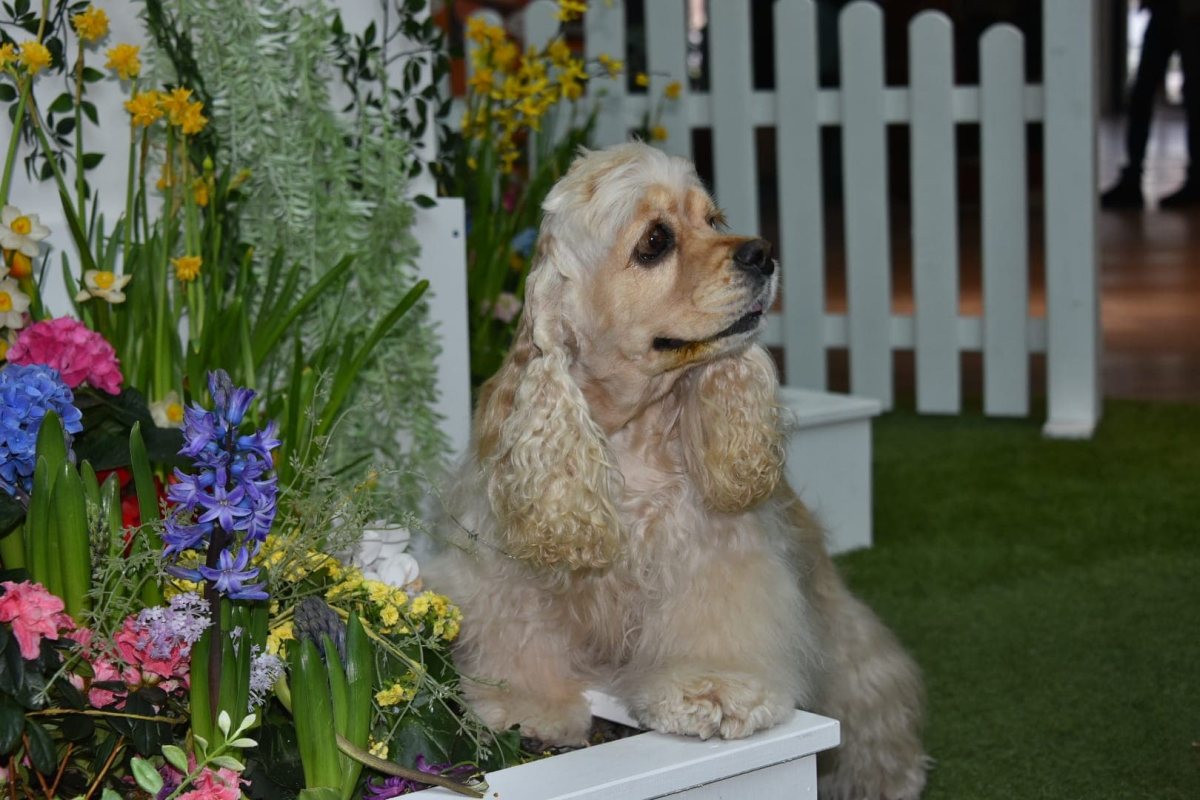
(570, 10)
(572, 79)
(176, 103)
(34, 56)
(192, 121)
(658, 133)
(21, 232)
(91, 24)
(483, 81)
(673, 90)
(506, 55)
(477, 29)
(642, 80)
(8, 55)
(145, 108)
(559, 52)
(612, 66)
(124, 59)
(104, 284)
(168, 412)
(13, 304)
(187, 268)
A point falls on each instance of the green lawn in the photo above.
(1051, 592)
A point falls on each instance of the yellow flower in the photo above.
(144, 108)
(477, 28)
(673, 90)
(658, 133)
(389, 616)
(168, 412)
(281, 633)
(572, 78)
(34, 56)
(472, 164)
(187, 268)
(507, 160)
(506, 55)
(13, 304)
(559, 52)
(612, 66)
(192, 121)
(124, 59)
(8, 55)
(377, 749)
(3, 349)
(176, 104)
(569, 10)
(483, 80)
(200, 192)
(396, 694)
(642, 80)
(91, 24)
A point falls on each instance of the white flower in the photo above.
(168, 412)
(13, 303)
(381, 557)
(21, 231)
(507, 307)
(103, 284)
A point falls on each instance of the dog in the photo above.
(621, 520)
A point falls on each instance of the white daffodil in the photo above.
(168, 412)
(21, 232)
(103, 284)
(13, 303)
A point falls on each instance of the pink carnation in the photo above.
(77, 352)
(34, 613)
(223, 784)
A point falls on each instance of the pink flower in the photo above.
(34, 613)
(137, 647)
(77, 352)
(105, 670)
(223, 784)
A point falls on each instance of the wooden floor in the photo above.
(1150, 277)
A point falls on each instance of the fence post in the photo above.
(1072, 311)
(934, 214)
(735, 168)
(666, 59)
(604, 32)
(801, 201)
(868, 236)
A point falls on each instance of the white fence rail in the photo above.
(863, 107)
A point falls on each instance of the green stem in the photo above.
(130, 181)
(14, 140)
(59, 178)
(80, 199)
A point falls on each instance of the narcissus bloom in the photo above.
(13, 304)
(124, 59)
(34, 56)
(104, 284)
(21, 231)
(91, 24)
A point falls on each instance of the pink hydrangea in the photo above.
(77, 352)
(34, 614)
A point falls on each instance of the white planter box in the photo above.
(829, 461)
(776, 763)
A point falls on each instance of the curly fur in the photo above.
(622, 521)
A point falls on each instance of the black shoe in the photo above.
(1125, 193)
(1183, 197)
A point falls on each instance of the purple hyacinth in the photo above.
(394, 786)
(161, 629)
(230, 496)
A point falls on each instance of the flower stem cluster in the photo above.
(225, 508)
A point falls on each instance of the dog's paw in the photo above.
(709, 704)
(565, 721)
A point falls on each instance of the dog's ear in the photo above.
(550, 471)
(729, 422)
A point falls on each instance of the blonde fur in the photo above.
(622, 522)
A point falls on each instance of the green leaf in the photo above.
(63, 103)
(109, 794)
(175, 757)
(319, 793)
(12, 722)
(41, 748)
(243, 743)
(146, 775)
(229, 762)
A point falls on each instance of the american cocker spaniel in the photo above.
(621, 521)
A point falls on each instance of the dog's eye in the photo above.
(654, 244)
(716, 221)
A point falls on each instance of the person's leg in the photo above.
(1158, 43)
(1189, 57)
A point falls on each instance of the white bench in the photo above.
(829, 461)
(777, 763)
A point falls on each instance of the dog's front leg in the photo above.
(727, 654)
(517, 668)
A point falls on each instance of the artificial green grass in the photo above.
(1050, 591)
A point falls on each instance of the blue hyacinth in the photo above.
(27, 392)
(229, 500)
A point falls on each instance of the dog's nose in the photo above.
(754, 256)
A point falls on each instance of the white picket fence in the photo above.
(862, 108)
